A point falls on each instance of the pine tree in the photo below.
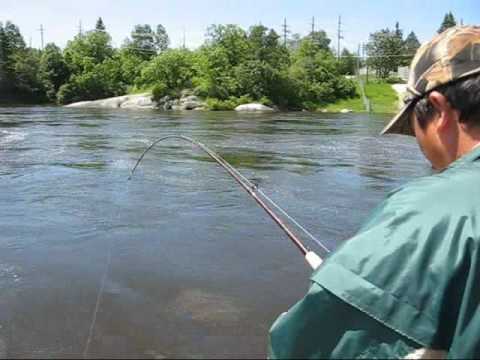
(161, 38)
(411, 44)
(410, 47)
(448, 22)
(398, 31)
(100, 26)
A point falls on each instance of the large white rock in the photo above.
(139, 101)
(253, 107)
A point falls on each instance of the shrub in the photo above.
(229, 104)
(159, 91)
(395, 80)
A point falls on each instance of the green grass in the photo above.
(355, 104)
(382, 97)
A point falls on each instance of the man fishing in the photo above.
(408, 284)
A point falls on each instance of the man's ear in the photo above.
(446, 115)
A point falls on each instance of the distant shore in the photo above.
(144, 101)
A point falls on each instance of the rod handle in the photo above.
(313, 260)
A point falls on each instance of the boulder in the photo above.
(345, 111)
(191, 98)
(139, 101)
(253, 107)
(144, 102)
(191, 105)
(185, 93)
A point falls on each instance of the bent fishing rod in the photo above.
(259, 196)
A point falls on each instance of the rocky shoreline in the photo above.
(186, 102)
(145, 101)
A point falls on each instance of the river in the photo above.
(187, 264)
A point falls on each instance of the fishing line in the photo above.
(278, 207)
(253, 190)
(99, 300)
(101, 291)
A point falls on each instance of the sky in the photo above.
(61, 18)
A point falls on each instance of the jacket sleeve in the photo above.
(322, 325)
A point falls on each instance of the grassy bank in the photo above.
(382, 97)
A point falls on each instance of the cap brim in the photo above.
(400, 124)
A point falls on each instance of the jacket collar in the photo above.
(469, 157)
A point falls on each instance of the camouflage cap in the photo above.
(452, 55)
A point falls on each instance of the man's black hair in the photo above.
(463, 95)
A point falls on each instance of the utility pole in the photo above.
(358, 59)
(339, 35)
(313, 26)
(41, 33)
(184, 38)
(285, 31)
(80, 29)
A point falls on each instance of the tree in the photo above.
(143, 42)
(130, 64)
(162, 41)
(347, 63)
(28, 82)
(385, 50)
(53, 69)
(448, 22)
(103, 80)
(172, 68)
(100, 26)
(320, 40)
(315, 73)
(264, 46)
(259, 76)
(84, 52)
(294, 42)
(225, 48)
(3, 61)
(11, 43)
(410, 46)
(146, 43)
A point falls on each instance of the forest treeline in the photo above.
(233, 66)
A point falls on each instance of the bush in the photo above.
(93, 85)
(159, 91)
(394, 80)
(174, 68)
(229, 104)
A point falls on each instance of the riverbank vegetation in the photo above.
(232, 67)
(380, 94)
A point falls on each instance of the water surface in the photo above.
(188, 264)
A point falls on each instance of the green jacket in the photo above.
(409, 279)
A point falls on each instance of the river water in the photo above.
(179, 261)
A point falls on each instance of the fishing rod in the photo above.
(311, 257)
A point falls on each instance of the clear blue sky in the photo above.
(61, 18)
